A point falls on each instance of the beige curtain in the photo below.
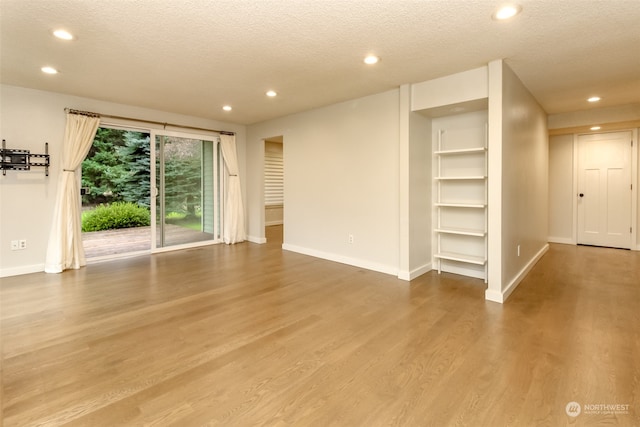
(65, 239)
(233, 230)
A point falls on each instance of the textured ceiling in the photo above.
(194, 56)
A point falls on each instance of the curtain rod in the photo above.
(164, 124)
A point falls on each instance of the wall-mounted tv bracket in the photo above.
(23, 160)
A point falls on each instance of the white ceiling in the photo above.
(194, 56)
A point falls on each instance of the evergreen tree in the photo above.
(118, 168)
(134, 183)
(182, 175)
(102, 167)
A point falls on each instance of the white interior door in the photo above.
(604, 189)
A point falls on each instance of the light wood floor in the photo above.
(250, 335)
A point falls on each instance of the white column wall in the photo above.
(525, 172)
(420, 195)
(561, 196)
(415, 189)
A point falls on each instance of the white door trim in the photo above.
(634, 194)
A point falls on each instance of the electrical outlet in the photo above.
(23, 244)
(15, 245)
(350, 238)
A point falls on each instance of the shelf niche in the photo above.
(460, 185)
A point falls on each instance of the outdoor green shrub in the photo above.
(115, 215)
(175, 216)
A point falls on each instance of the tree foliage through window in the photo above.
(182, 175)
(118, 169)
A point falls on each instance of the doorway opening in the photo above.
(116, 194)
(274, 188)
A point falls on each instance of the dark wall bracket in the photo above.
(23, 160)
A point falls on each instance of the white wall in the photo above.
(415, 189)
(524, 183)
(593, 116)
(561, 196)
(453, 89)
(420, 194)
(28, 119)
(341, 178)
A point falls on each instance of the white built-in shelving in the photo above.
(459, 178)
(460, 200)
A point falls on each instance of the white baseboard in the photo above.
(417, 272)
(562, 240)
(569, 241)
(501, 297)
(493, 295)
(25, 269)
(368, 265)
(259, 240)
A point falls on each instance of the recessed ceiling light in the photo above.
(272, 93)
(594, 99)
(595, 128)
(507, 11)
(227, 108)
(49, 70)
(63, 34)
(371, 59)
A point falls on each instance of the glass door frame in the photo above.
(156, 192)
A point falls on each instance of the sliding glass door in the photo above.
(186, 180)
